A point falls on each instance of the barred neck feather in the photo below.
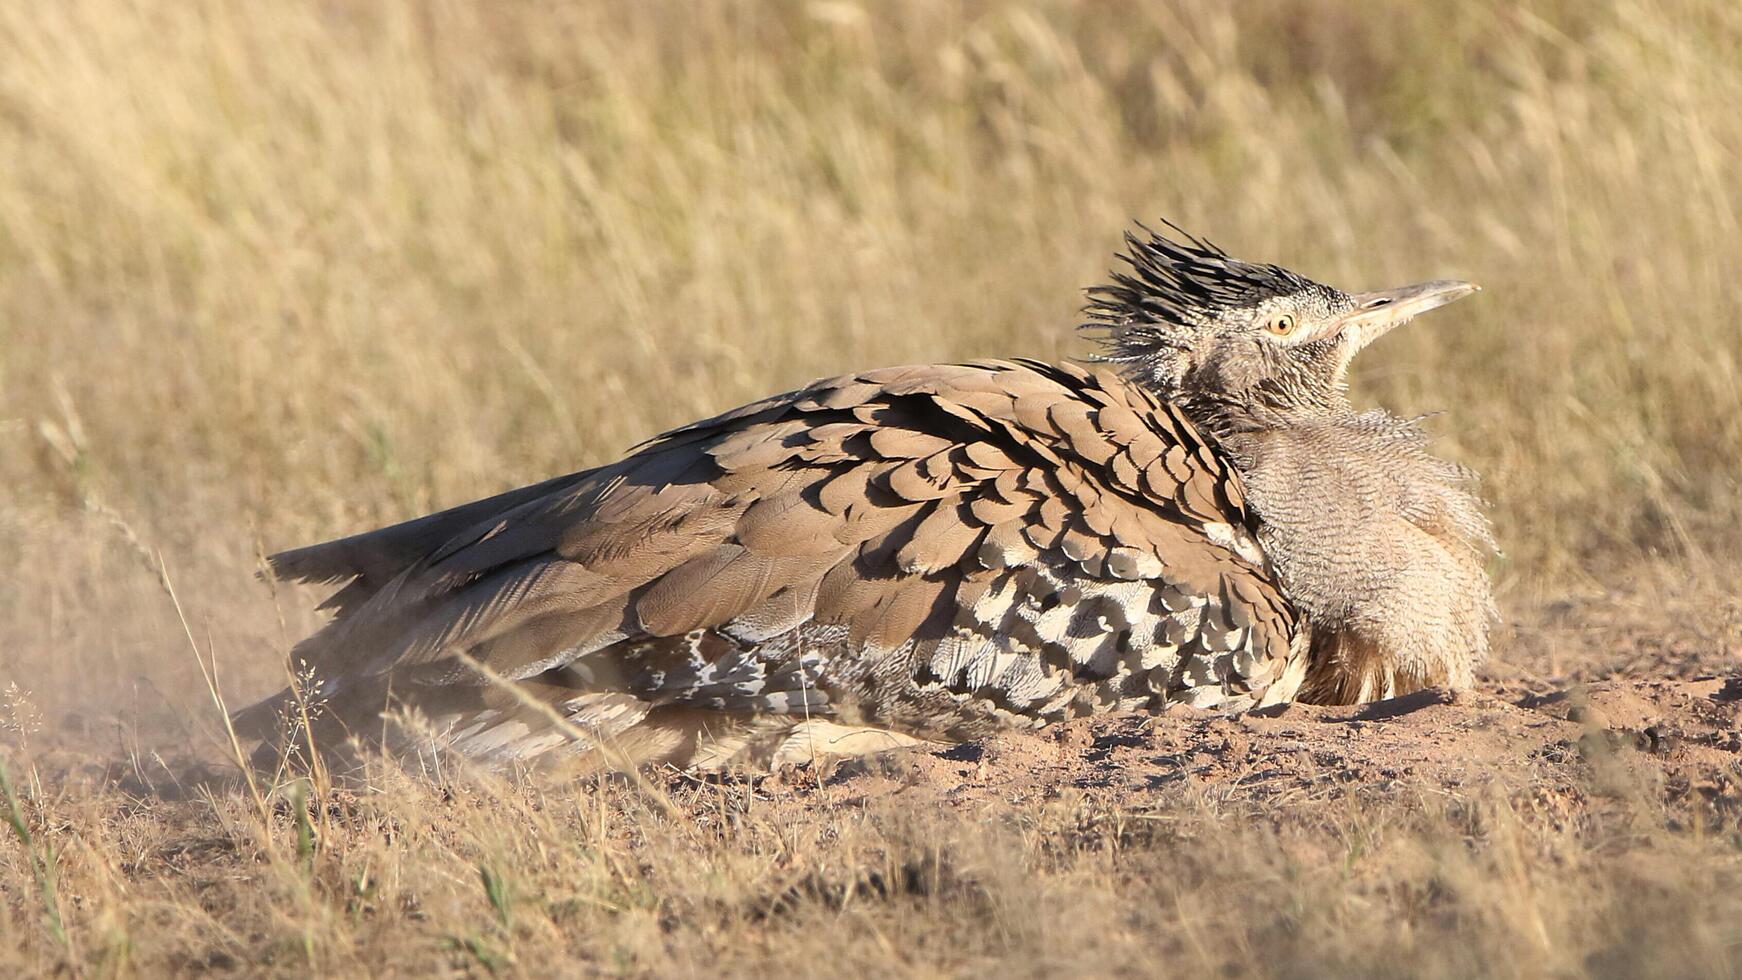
(1381, 544)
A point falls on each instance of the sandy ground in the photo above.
(1682, 734)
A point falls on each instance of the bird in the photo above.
(1195, 515)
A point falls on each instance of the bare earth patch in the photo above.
(1684, 734)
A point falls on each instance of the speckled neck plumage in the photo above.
(1379, 543)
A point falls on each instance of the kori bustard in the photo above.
(935, 552)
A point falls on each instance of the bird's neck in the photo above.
(1379, 543)
(1251, 417)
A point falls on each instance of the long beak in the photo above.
(1378, 312)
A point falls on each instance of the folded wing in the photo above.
(935, 551)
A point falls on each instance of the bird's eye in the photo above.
(1281, 325)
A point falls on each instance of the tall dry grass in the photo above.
(275, 272)
(478, 876)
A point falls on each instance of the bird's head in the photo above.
(1244, 343)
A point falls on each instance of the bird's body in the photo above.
(922, 553)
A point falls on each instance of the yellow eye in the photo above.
(1281, 325)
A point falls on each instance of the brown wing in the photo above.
(935, 549)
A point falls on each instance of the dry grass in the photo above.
(270, 273)
(481, 875)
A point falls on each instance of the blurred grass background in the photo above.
(273, 273)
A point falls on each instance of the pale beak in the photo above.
(1377, 312)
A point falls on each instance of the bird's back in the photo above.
(928, 552)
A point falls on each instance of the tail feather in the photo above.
(370, 560)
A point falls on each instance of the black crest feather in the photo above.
(1182, 282)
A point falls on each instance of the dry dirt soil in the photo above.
(1683, 735)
